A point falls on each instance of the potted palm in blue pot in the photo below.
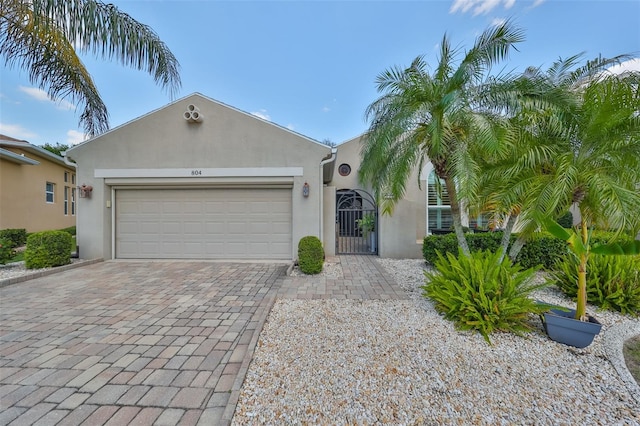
(573, 326)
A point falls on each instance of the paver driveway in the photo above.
(161, 343)
(131, 342)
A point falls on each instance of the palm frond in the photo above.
(103, 30)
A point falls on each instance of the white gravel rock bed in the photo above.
(398, 362)
(331, 270)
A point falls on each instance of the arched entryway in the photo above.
(356, 222)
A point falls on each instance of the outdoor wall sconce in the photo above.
(85, 190)
(305, 190)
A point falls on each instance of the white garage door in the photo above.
(203, 224)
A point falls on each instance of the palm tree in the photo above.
(586, 155)
(438, 117)
(536, 132)
(41, 37)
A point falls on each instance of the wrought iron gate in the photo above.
(356, 222)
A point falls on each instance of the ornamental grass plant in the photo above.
(613, 282)
(479, 292)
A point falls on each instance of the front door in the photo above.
(356, 222)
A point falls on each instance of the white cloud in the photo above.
(262, 114)
(41, 95)
(482, 7)
(290, 127)
(35, 93)
(497, 22)
(16, 131)
(74, 137)
(630, 65)
(326, 109)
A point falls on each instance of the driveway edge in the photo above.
(54, 270)
(262, 314)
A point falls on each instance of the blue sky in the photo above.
(311, 65)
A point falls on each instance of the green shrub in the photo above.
(6, 251)
(71, 230)
(310, 255)
(478, 293)
(566, 220)
(613, 282)
(48, 248)
(606, 237)
(434, 244)
(18, 237)
(448, 243)
(542, 250)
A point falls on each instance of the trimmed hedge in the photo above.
(18, 237)
(71, 230)
(6, 251)
(448, 243)
(566, 220)
(310, 255)
(542, 249)
(48, 248)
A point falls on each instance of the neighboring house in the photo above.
(37, 188)
(198, 179)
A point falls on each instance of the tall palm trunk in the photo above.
(456, 216)
(506, 236)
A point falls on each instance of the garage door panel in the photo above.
(147, 207)
(148, 228)
(169, 228)
(194, 228)
(203, 223)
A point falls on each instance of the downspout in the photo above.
(75, 255)
(327, 160)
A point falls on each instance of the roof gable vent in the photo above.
(192, 114)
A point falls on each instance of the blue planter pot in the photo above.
(562, 327)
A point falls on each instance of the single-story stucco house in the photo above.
(198, 179)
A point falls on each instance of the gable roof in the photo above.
(208, 99)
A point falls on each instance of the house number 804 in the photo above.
(196, 172)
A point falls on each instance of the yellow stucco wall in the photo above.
(22, 194)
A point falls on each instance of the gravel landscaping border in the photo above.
(399, 362)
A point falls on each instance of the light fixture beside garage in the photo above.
(85, 190)
(305, 190)
(192, 114)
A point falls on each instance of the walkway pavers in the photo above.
(148, 342)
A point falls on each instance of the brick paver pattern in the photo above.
(157, 343)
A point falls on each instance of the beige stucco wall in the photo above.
(163, 139)
(399, 234)
(22, 194)
(329, 215)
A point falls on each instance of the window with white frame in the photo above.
(438, 205)
(49, 192)
(66, 200)
(73, 201)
